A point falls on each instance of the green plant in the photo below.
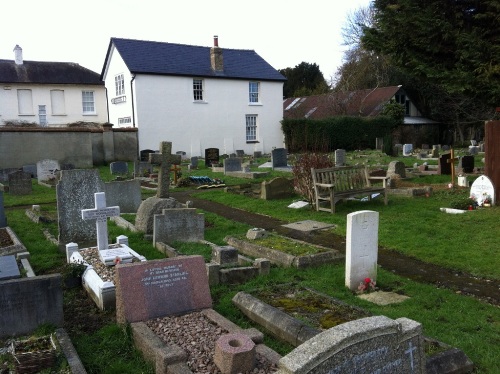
(74, 270)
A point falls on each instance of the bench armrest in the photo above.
(326, 185)
(383, 179)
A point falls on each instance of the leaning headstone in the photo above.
(46, 170)
(396, 168)
(211, 156)
(20, 183)
(279, 158)
(482, 188)
(160, 288)
(27, 303)
(466, 164)
(340, 157)
(118, 167)
(367, 345)
(75, 191)
(407, 149)
(3, 219)
(361, 248)
(184, 225)
(232, 164)
(444, 166)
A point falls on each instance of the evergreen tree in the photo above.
(304, 80)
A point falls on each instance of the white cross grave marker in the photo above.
(101, 213)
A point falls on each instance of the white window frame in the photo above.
(57, 103)
(119, 84)
(124, 120)
(251, 126)
(88, 106)
(198, 89)
(253, 92)
(42, 115)
(25, 102)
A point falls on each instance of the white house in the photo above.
(49, 93)
(196, 97)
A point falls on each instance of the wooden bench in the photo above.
(334, 184)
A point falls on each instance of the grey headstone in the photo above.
(474, 150)
(30, 169)
(118, 167)
(3, 219)
(340, 157)
(75, 191)
(194, 162)
(20, 183)
(142, 168)
(27, 303)
(240, 153)
(232, 164)
(211, 156)
(9, 268)
(396, 168)
(46, 170)
(279, 157)
(164, 160)
(257, 154)
(4, 174)
(184, 225)
(144, 219)
(407, 149)
(125, 194)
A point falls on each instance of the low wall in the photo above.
(82, 147)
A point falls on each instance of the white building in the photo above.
(195, 97)
(49, 93)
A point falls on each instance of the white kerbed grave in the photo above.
(94, 280)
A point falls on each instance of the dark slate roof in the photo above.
(42, 72)
(149, 57)
(364, 103)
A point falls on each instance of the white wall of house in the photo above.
(69, 108)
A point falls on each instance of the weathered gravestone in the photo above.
(46, 170)
(279, 158)
(232, 164)
(240, 153)
(407, 149)
(160, 288)
(30, 169)
(193, 163)
(164, 160)
(3, 219)
(340, 157)
(368, 345)
(4, 174)
(466, 164)
(20, 183)
(142, 168)
(75, 191)
(118, 167)
(277, 188)
(184, 224)
(211, 156)
(27, 303)
(396, 169)
(361, 248)
(257, 154)
(125, 194)
(481, 189)
(9, 268)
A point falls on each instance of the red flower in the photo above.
(367, 280)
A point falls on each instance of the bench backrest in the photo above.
(344, 178)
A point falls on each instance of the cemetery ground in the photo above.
(464, 245)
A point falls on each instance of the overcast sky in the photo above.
(283, 32)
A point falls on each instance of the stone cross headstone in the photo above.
(407, 149)
(164, 159)
(279, 157)
(101, 213)
(20, 183)
(481, 188)
(211, 156)
(46, 170)
(340, 157)
(3, 219)
(361, 247)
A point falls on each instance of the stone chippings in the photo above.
(197, 336)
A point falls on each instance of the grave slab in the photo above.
(9, 268)
(309, 225)
(383, 298)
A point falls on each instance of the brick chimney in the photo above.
(18, 55)
(216, 59)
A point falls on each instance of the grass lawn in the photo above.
(414, 226)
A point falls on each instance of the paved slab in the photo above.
(309, 225)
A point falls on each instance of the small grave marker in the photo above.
(20, 183)
(407, 149)
(164, 159)
(46, 170)
(118, 167)
(481, 188)
(340, 157)
(211, 156)
(232, 164)
(279, 158)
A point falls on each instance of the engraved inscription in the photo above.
(165, 276)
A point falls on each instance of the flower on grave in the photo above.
(486, 198)
(366, 286)
(117, 260)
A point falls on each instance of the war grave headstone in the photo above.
(232, 164)
(466, 164)
(75, 191)
(3, 219)
(279, 158)
(118, 167)
(144, 220)
(26, 303)
(184, 224)
(20, 183)
(212, 156)
(368, 345)
(361, 248)
(46, 170)
(481, 189)
(340, 157)
(30, 169)
(407, 149)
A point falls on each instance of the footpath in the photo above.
(396, 262)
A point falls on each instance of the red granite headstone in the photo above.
(160, 288)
